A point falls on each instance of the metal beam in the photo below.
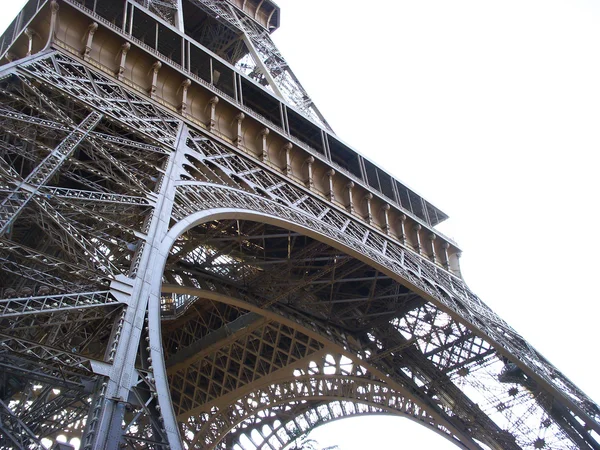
(27, 189)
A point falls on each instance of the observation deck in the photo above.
(221, 81)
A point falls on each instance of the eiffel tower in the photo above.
(191, 258)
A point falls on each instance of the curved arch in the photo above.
(323, 420)
(199, 202)
(203, 202)
(320, 234)
(447, 292)
(342, 347)
(328, 388)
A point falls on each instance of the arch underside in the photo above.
(276, 305)
(274, 381)
(323, 307)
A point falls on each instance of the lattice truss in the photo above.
(279, 315)
(424, 348)
(76, 192)
(248, 46)
(165, 9)
(242, 42)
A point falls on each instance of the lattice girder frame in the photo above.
(279, 371)
(98, 220)
(295, 218)
(386, 362)
(188, 203)
(295, 383)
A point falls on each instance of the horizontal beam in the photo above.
(53, 303)
(217, 338)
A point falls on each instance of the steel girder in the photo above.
(277, 311)
(255, 54)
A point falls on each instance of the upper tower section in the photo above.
(213, 63)
(263, 12)
(239, 32)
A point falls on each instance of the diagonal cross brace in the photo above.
(11, 207)
(14, 428)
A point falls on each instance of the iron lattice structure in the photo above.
(192, 259)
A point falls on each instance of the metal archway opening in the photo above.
(246, 304)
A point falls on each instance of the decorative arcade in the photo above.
(191, 258)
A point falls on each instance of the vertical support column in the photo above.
(53, 20)
(108, 411)
(153, 278)
(179, 16)
(309, 181)
(188, 59)
(29, 32)
(130, 19)
(236, 87)
(325, 143)
(153, 87)
(90, 38)
(432, 238)
(368, 199)
(458, 256)
(417, 229)
(350, 206)
(239, 137)
(403, 229)
(213, 113)
(263, 145)
(281, 117)
(184, 91)
(386, 218)
(446, 246)
(121, 71)
(284, 118)
(330, 194)
(287, 148)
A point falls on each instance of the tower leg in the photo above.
(108, 423)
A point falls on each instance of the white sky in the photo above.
(490, 110)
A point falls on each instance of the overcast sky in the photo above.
(490, 110)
